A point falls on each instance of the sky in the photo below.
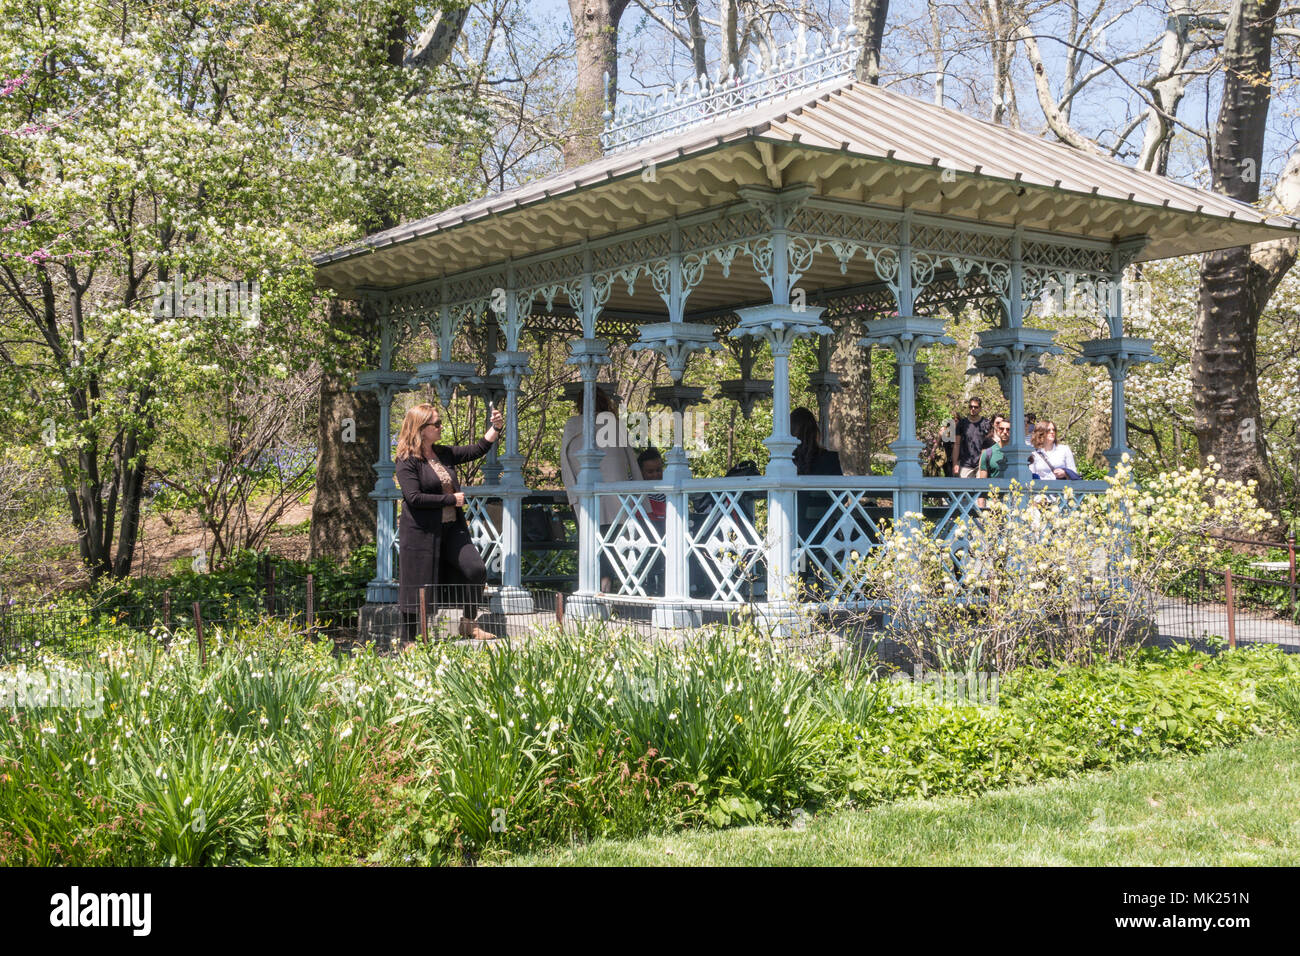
(1098, 109)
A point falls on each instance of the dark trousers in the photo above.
(461, 571)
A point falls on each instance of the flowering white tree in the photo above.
(199, 141)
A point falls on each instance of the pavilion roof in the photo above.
(849, 139)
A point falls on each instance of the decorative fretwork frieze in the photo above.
(635, 251)
(552, 271)
(817, 223)
(1066, 258)
(737, 225)
(961, 243)
(858, 305)
(474, 288)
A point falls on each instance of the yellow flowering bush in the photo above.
(1039, 575)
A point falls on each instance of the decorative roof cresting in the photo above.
(702, 100)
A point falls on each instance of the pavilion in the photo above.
(766, 207)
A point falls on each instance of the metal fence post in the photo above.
(1290, 551)
(1232, 623)
(167, 610)
(424, 616)
(198, 630)
(270, 586)
(311, 604)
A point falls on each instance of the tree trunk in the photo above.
(342, 513)
(850, 424)
(729, 47)
(1167, 89)
(1234, 289)
(869, 17)
(595, 28)
(699, 57)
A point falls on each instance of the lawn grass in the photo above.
(1236, 806)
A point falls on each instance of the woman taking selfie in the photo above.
(436, 553)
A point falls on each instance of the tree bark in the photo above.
(595, 28)
(850, 424)
(699, 57)
(1234, 288)
(342, 513)
(869, 17)
(1167, 89)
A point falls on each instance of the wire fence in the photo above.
(1255, 601)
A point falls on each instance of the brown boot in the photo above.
(469, 628)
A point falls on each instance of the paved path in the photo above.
(1179, 620)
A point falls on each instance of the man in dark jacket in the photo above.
(974, 434)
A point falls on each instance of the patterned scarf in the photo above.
(448, 487)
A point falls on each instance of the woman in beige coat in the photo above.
(617, 464)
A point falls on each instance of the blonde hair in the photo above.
(408, 439)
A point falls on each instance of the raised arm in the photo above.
(463, 453)
(460, 454)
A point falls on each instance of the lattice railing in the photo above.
(703, 100)
(484, 517)
(632, 547)
(726, 545)
(836, 528)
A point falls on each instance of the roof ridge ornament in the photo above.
(701, 100)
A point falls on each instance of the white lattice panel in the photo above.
(727, 545)
(632, 545)
(845, 528)
(485, 534)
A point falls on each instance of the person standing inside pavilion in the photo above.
(437, 554)
(974, 434)
(617, 463)
(810, 458)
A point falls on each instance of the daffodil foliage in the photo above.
(164, 170)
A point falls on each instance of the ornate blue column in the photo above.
(905, 336)
(510, 366)
(1117, 353)
(1117, 356)
(676, 340)
(386, 384)
(1016, 352)
(588, 354)
(780, 325)
(443, 373)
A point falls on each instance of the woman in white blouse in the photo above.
(1049, 460)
